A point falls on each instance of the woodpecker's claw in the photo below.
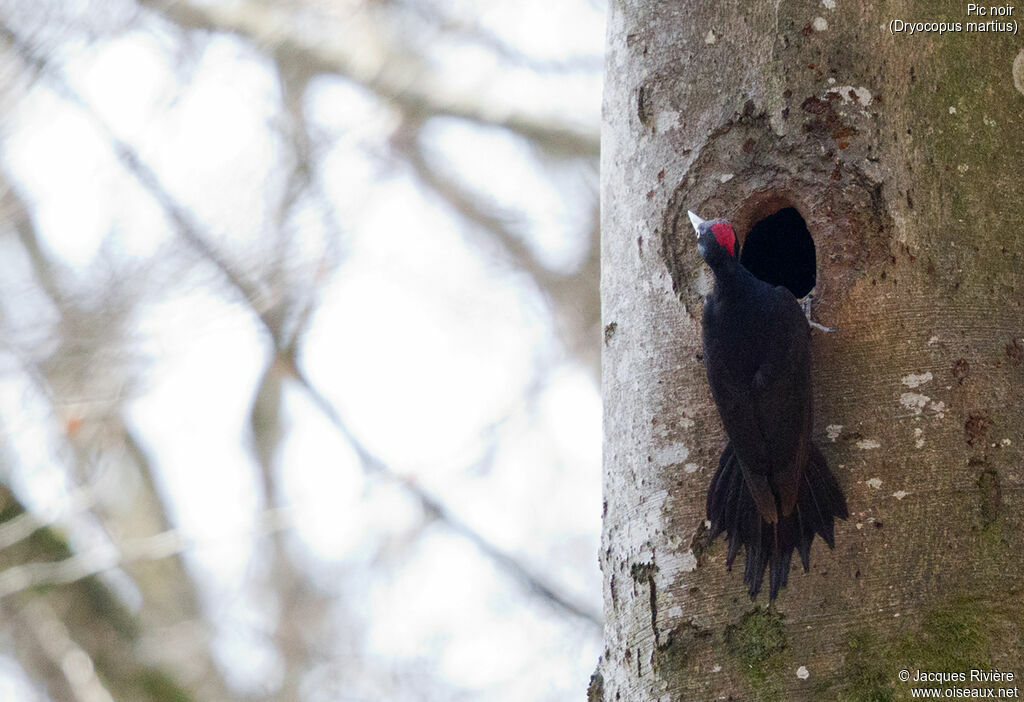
(806, 305)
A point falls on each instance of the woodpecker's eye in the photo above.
(725, 236)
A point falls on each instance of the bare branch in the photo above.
(432, 506)
(73, 661)
(157, 547)
(182, 219)
(264, 25)
(301, 607)
(440, 17)
(22, 526)
(192, 232)
(170, 594)
(573, 295)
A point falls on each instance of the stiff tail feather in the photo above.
(731, 508)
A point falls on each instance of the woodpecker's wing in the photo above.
(781, 397)
(733, 398)
(767, 416)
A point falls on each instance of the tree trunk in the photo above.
(903, 155)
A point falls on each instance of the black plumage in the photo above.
(773, 490)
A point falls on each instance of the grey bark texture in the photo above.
(904, 154)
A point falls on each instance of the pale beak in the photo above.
(695, 221)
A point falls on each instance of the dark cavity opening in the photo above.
(779, 250)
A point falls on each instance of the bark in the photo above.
(903, 155)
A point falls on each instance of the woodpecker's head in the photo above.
(716, 240)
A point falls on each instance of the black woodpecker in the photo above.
(773, 490)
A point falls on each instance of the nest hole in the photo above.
(779, 250)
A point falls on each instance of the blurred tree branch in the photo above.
(168, 589)
(95, 630)
(285, 347)
(573, 295)
(85, 564)
(267, 26)
(437, 15)
(140, 662)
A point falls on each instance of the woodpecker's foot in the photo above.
(806, 305)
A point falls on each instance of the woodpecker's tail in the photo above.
(731, 508)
